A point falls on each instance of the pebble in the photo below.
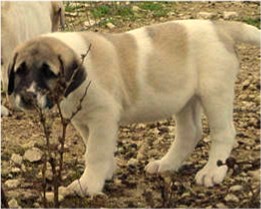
(205, 15)
(110, 25)
(231, 198)
(221, 205)
(33, 155)
(89, 23)
(4, 111)
(236, 188)
(15, 170)
(17, 159)
(12, 183)
(13, 203)
(229, 15)
(132, 161)
(255, 174)
(136, 8)
(50, 196)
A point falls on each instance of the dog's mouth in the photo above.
(31, 101)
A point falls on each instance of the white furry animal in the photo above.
(176, 68)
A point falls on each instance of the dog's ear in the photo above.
(74, 74)
(11, 75)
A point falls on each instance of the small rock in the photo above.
(50, 196)
(12, 183)
(136, 8)
(15, 170)
(110, 25)
(231, 198)
(33, 155)
(89, 23)
(236, 188)
(205, 15)
(117, 182)
(221, 205)
(13, 203)
(4, 111)
(132, 161)
(229, 15)
(17, 159)
(255, 174)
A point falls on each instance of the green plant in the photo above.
(253, 21)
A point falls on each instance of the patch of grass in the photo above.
(112, 10)
(253, 21)
(151, 6)
(101, 11)
(158, 9)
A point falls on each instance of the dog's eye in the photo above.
(22, 70)
(47, 72)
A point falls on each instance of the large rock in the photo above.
(12, 183)
(229, 15)
(33, 155)
(206, 15)
(16, 159)
(13, 203)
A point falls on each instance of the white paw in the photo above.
(211, 175)
(84, 188)
(160, 166)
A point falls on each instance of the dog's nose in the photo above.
(28, 98)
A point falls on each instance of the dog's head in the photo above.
(37, 68)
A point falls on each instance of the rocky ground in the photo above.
(22, 136)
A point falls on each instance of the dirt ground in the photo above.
(140, 143)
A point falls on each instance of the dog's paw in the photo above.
(160, 166)
(211, 175)
(84, 188)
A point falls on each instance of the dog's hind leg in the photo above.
(188, 133)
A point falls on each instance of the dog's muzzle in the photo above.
(31, 100)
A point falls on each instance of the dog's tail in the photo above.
(241, 32)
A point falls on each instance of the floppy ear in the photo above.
(11, 75)
(74, 74)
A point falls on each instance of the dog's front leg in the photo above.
(99, 159)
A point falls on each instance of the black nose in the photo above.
(28, 98)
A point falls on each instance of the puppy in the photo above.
(24, 20)
(176, 68)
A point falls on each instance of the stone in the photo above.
(4, 111)
(16, 170)
(89, 23)
(132, 161)
(12, 183)
(229, 15)
(236, 188)
(16, 159)
(136, 8)
(255, 174)
(221, 205)
(110, 25)
(50, 196)
(231, 198)
(205, 15)
(33, 155)
(13, 203)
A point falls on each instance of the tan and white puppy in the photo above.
(22, 21)
(175, 68)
